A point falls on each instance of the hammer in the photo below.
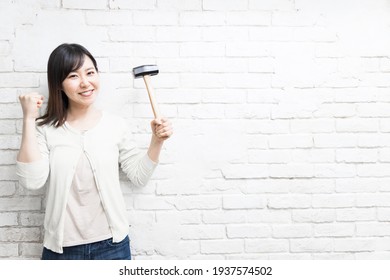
(145, 71)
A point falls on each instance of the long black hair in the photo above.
(64, 59)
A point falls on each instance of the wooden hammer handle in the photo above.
(152, 99)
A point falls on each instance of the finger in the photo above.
(157, 122)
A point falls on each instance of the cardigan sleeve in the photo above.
(135, 163)
(33, 175)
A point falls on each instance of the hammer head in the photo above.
(143, 70)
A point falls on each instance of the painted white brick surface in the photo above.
(281, 112)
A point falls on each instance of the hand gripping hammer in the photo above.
(145, 71)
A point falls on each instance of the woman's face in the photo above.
(82, 85)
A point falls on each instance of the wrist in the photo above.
(29, 120)
(156, 140)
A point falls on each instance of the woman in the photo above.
(81, 146)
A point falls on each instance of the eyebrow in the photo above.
(90, 68)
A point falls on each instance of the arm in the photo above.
(137, 165)
(29, 149)
(162, 130)
(32, 165)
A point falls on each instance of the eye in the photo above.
(92, 72)
(72, 76)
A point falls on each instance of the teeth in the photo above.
(86, 93)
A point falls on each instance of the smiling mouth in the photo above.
(87, 93)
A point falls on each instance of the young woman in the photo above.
(81, 148)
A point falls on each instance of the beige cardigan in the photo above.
(105, 145)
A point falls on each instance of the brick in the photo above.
(249, 18)
(201, 232)
(356, 214)
(268, 216)
(291, 231)
(248, 231)
(225, 34)
(8, 95)
(372, 140)
(5, 48)
(204, 49)
(132, 4)
(266, 246)
(224, 5)
(243, 202)
(18, 80)
(334, 230)
(9, 219)
(291, 170)
(360, 185)
(244, 111)
(221, 246)
(7, 188)
(292, 201)
(383, 215)
(6, 32)
(151, 18)
(132, 34)
(313, 215)
(335, 110)
(8, 157)
(109, 18)
(333, 201)
(311, 245)
(356, 155)
(20, 203)
(182, 5)
(31, 249)
(248, 81)
(239, 171)
(269, 156)
(342, 140)
(313, 155)
(223, 217)
(7, 127)
(31, 219)
(177, 34)
(9, 250)
(291, 141)
(10, 142)
(358, 125)
(267, 127)
(14, 234)
(198, 202)
(354, 245)
(276, 5)
(87, 4)
(152, 203)
(203, 18)
(6, 64)
(256, 141)
(249, 49)
(261, 65)
(7, 172)
(373, 170)
(373, 200)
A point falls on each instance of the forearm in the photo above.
(29, 149)
(155, 148)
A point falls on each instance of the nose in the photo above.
(84, 82)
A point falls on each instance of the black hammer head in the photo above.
(145, 70)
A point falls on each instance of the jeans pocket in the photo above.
(110, 242)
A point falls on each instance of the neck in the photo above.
(81, 113)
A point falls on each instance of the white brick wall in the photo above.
(281, 113)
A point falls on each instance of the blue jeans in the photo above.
(101, 250)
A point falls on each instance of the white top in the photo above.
(85, 219)
(105, 145)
